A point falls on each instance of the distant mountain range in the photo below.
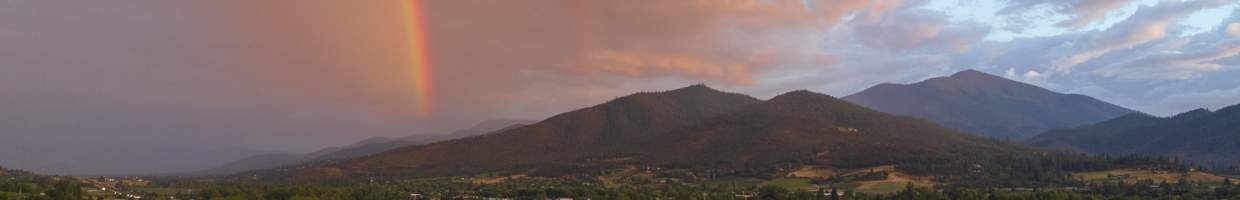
(1199, 135)
(703, 129)
(361, 148)
(975, 102)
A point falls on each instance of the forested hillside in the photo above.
(1207, 137)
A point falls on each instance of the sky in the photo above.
(153, 86)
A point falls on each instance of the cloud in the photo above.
(1024, 54)
(1233, 29)
(1031, 74)
(485, 49)
(900, 30)
(1081, 12)
(1173, 65)
(640, 64)
(918, 43)
(1126, 62)
(1149, 23)
(619, 37)
(1210, 99)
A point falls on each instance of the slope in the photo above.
(1198, 135)
(606, 129)
(361, 148)
(987, 105)
(714, 134)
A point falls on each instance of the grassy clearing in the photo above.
(497, 179)
(880, 187)
(791, 183)
(895, 182)
(813, 172)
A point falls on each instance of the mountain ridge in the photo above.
(1200, 135)
(976, 102)
(567, 136)
(708, 132)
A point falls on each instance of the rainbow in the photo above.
(419, 55)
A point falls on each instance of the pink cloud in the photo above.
(1147, 24)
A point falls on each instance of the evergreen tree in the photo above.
(834, 194)
(772, 192)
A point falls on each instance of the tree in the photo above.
(772, 192)
(66, 190)
(834, 194)
(909, 193)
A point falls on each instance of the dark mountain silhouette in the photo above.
(380, 144)
(612, 128)
(987, 105)
(700, 128)
(1198, 135)
(361, 148)
(798, 124)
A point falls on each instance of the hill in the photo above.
(987, 105)
(701, 134)
(361, 148)
(609, 129)
(1208, 137)
(821, 129)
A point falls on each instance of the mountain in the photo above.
(710, 133)
(607, 129)
(807, 126)
(380, 144)
(1198, 135)
(987, 105)
(254, 162)
(361, 148)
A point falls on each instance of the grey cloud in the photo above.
(1212, 91)
(1172, 65)
(1081, 12)
(1147, 24)
(1155, 76)
(918, 43)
